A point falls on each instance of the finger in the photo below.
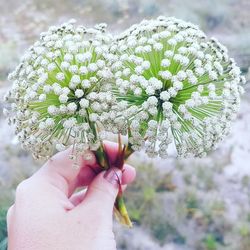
(128, 175)
(102, 192)
(78, 197)
(9, 219)
(60, 171)
(87, 174)
(9, 214)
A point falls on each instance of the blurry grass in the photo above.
(3, 229)
(174, 212)
(210, 243)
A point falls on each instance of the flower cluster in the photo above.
(173, 84)
(160, 82)
(59, 89)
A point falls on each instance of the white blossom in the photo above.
(49, 100)
(159, 82)
(179, 94)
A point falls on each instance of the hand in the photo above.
(49, 215)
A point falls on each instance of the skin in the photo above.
(49, 214)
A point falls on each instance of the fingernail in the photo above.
(113, 176)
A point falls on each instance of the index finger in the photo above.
(62, 172)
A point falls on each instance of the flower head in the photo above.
(59, 88)
(173, 84)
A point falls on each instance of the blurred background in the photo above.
(193, 204)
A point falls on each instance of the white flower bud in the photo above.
(85, 83)
(83, 70)
(165, 63)
(84, 103)
(165, 96)
(63, 98)
(52, 110)
(60, 76)
(51, 66)
(79, 93)
(72, 107)
(68, 57)
(92, 67)
(42, 97)
(75, 79)
(49, 122)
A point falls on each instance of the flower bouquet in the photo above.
(160, 82)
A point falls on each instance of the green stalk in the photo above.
(120, 209)
(124, 152)
(121, 212)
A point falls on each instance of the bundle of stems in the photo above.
(124, 151)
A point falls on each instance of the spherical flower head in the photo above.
(55, 87)
(175, 85)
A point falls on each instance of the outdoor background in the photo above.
(194, 204)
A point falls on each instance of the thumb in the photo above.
(103, 190)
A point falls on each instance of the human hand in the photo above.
(48, 215)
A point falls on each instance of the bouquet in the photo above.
(160, 82)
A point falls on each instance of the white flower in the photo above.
(63, 98)
(92, 67)
(166, 75)
(73, 69)
(70, 123)
(42, 97)
(164, 96)
(51, 66)
(68, 57)
(79, 93)
(165, 63)
(83, 70)
(72, 107)
(49, 122)
(145, 65)
(158, 46)
(75, 79)
(84, 103)
(180, 88)
(93, 117)
(65, 65)
(159, 82)
(52, 110)
(49, 87)
(60, 76)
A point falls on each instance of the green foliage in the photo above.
(3, 229)
(3, 244)
(162, 230)
(148, 193)
(172, 211)
(245, 230)
(192, 201)
(210, 242)
(146, 206)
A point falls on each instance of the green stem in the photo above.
(121, 212)
(102, 157)
(120, 209)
